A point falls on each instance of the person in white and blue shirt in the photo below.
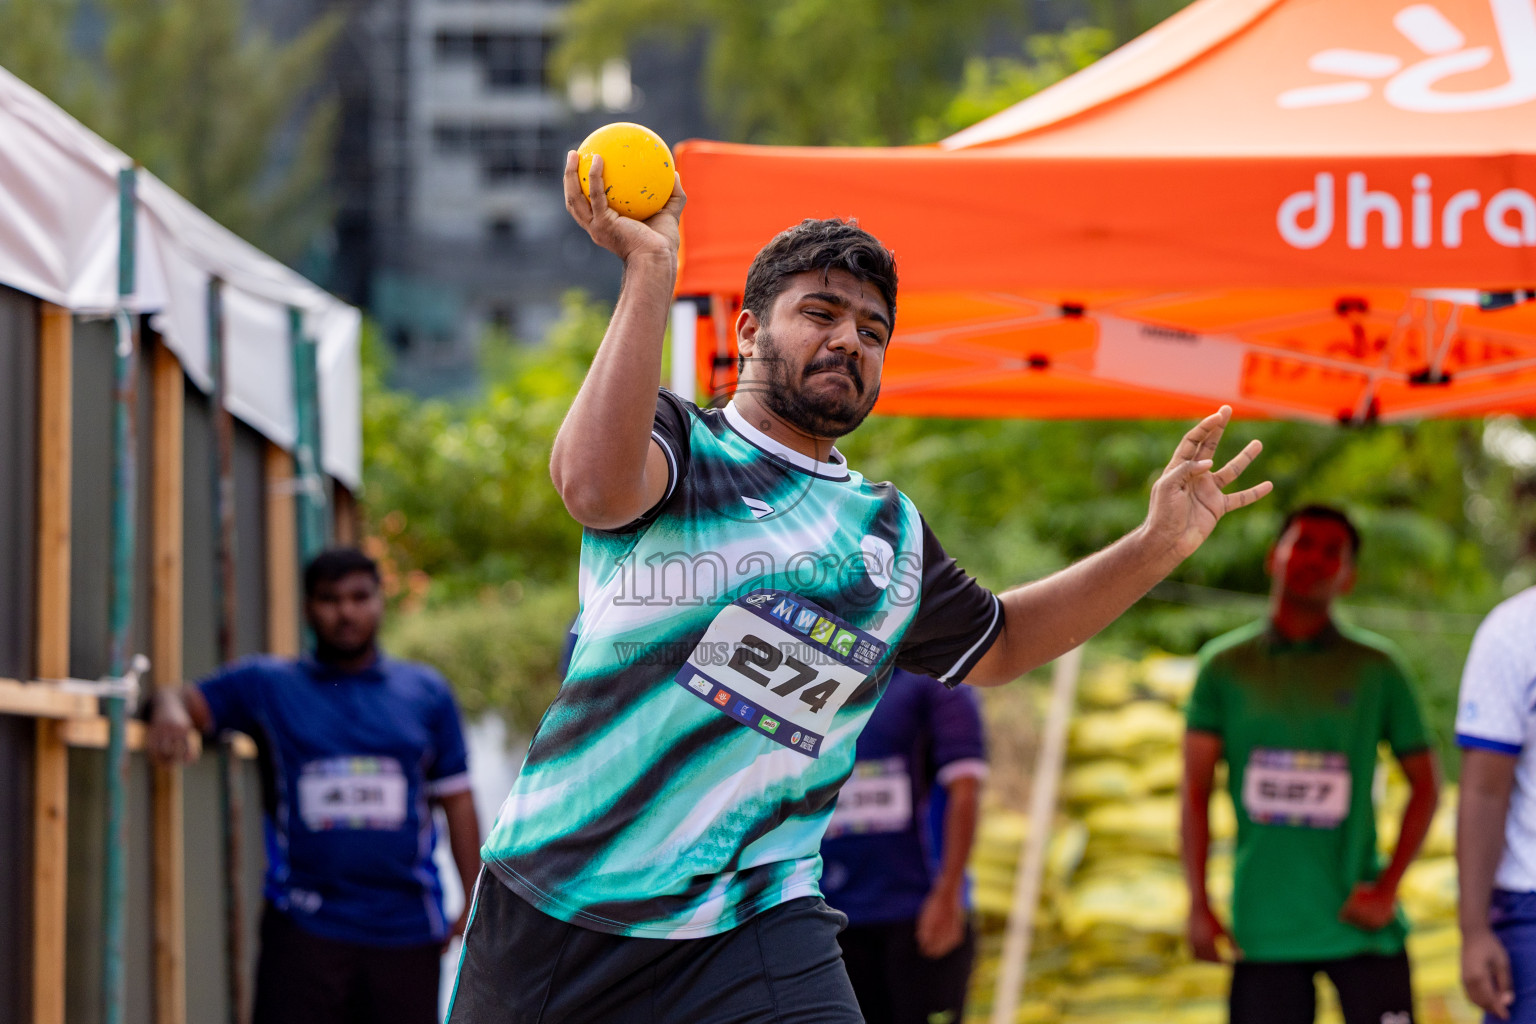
(356, 749)
(1496, 827)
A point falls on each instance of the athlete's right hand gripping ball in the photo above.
(637, 168)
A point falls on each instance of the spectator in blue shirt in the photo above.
(894, 854)
(355, 749)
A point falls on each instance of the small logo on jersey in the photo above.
(842, 643)
(866, 653)
(723, 697)
(794, 738)
(806, 619)
(769, 725)
(760, 509)
(701, 684)
(785, 610)
(823, 630)
(808, 744)
(743, 711)
(758, 600)
(879, 558)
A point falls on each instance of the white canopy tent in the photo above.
(59, 222)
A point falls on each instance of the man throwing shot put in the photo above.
(745, 596)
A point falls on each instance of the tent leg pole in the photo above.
(124, 549)
(685, 327)
(312, 510)
(1042, 808)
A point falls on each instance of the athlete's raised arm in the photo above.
(605, 464)
(1045, 619)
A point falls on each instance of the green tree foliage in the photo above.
(992, 84)
(804, 72)
(1127, 19)
(478, 552)
(201, 99)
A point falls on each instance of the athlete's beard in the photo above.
(823, 415)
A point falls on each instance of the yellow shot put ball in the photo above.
(637, 168)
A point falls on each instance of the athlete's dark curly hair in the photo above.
(824, 245)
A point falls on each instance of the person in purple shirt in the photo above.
(356, 749)
(894, 854)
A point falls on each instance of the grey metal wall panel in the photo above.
(18, 526)
(206, 974)
(251, 541)
(199, 647)
(90, 562)
(87, 852)
(16, 738)
(18, 483)
(207, 966)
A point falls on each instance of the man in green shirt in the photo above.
(1297, 706)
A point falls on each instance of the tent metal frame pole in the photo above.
(231, 803)
(124, 505)
(1043, 790)
(683, 373)
(314, 532)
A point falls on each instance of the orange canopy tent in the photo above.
(1307, 208)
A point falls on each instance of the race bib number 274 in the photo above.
(781, 665)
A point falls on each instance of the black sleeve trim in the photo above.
(957, 619)
(962, 668)
(670, 430)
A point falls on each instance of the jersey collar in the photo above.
(836, 468)
(1326, 637)
(319, 670)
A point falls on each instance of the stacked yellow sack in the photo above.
(1108, 944)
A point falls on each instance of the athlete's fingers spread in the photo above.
(1184, 472)
(1203, 435)
(1241, 461)
(1242, 499)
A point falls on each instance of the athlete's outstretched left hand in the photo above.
(1190, 497)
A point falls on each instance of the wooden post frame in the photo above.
(166, 801)
(282, 554)
(51, 767)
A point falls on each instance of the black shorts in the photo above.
(305, 979)
(898, 985)
(1372, 990)
(521, 966)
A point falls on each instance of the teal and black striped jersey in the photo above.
(731, 645)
